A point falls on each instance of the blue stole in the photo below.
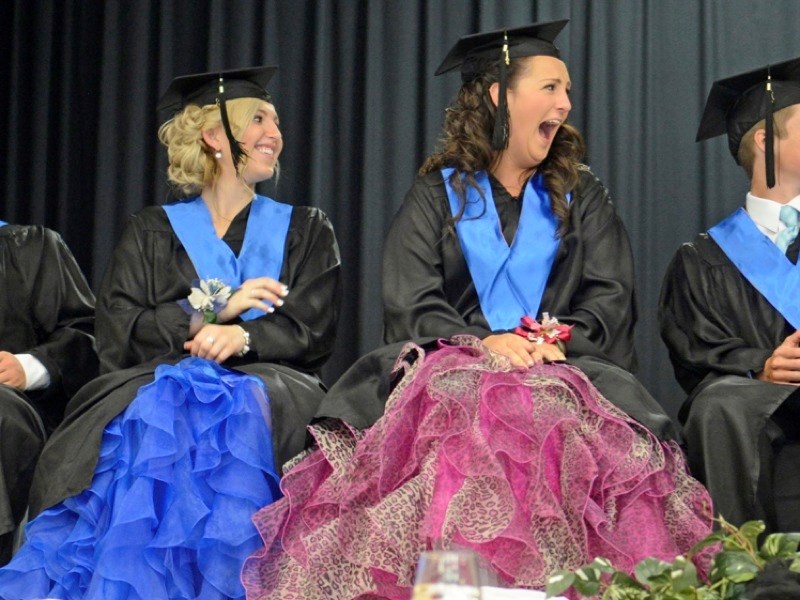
(510, 281)
(262, 250)
(761, 263)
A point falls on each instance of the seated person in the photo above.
(167, 456)
(489, 441)
(46, 355)
(729, 310)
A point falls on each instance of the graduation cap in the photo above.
(216, 87)
(737, 103)
(476, 53)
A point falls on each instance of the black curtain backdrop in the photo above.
(360, 109)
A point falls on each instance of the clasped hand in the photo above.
(216, 342)
(784, 364)
(11, 371)
(521, 352)
(219, 342)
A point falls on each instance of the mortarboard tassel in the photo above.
(237, 153)
(500, 131)
(769, 157)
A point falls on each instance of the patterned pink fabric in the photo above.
(532, 469)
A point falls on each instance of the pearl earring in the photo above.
(218, 154)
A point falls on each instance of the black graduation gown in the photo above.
(720, 331)
(428, 293)
(141, 325)
(46, 310)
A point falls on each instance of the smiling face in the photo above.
(256, 128)
(538, 103)
(262, 141)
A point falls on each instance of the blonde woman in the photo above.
(150, 483)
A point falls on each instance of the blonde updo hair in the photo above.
(192, 165)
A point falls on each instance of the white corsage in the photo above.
(208, 297)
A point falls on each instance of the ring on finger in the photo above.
(210, 339)
(253, 291)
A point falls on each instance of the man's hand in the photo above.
(11, 371)
(784, 364)
(521, 352)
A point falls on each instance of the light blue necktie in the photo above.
(790, 217)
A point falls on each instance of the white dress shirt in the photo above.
(36, 375)
(765, 214)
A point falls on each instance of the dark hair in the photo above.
(466, 143)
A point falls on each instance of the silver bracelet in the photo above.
(246, 348)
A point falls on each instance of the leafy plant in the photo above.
(736, 567)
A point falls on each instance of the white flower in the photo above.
(209, 295)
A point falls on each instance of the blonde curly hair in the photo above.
(192, 165)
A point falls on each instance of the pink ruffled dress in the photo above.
(532, 469)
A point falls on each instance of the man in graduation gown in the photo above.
(729, 312)
(46, 354)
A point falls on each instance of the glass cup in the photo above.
(447, 575)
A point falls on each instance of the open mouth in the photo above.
(268, 150)
(548, 128)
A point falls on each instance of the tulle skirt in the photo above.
(168, 515)
(532, 469)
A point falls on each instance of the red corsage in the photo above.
(549, 331)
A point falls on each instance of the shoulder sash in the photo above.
(262, 249)
(761, 263)
(510, 280)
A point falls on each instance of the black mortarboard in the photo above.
(477, 52)
(216, 87)
(737, 103)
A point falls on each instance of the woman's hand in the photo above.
(521, 352)
(216, 342)
(254, 293)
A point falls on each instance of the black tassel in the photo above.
(237, 152)
(500, 131)
(769, 157)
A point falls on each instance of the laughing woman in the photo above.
(150, 484)
(489, 441)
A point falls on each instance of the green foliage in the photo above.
(738, 560)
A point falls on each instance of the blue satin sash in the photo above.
(761, 263)
(262, 250)
(510, 280)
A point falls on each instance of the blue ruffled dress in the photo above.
(180, 474)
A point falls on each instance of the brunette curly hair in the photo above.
(465, 144)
